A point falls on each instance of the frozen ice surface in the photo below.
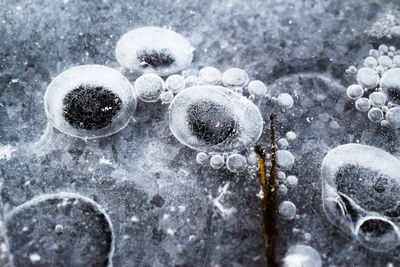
(165, 208)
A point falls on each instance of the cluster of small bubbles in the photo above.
(287, 210)
(377, 91)
(201, 157)
(217, 162)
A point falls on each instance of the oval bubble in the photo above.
(390, 83)
(154, 50)
(89, 101)
(63, 229)
(214, 119)
(377, 233)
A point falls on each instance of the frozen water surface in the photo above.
(139, 196)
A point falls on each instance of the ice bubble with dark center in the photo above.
(62, 229)
(390, 83)
(154, 50)
(89, 101)
(360, 186)
(214, 119)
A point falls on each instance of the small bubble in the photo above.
(285, 101)
(396, 31)
(367, 78)
(217, 162)
(292, 181)
(283, 143)
(377, 99)
(363, 104)
(34, 257)
(201, 157)
(175, 83)
(393, 117)
(383, 49)
(191, 80)
(302, 255)
(281, 175)
(291, 136)
(209, 75)
(285, 159)
(287, 210)
(355, 91)
(166, 97)
(374, 53)
(370, 62)
(236, 163)
(252, 159)
(59, 229)
(282, 190)
(334, 125)
(257, 88)
(235, 77)
(385, 61)
(149, 87)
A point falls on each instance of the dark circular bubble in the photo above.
(154, 58)
(90, 108)
(378, 234)
(86, 238)
(210, 122)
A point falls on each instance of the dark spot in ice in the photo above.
(158, 234)
(155, 59)
(376, 227)
(210, 122)
(157, 201)
(86, 239)
(394, 95)
(350, 210)
(90, 108)
(380, 184)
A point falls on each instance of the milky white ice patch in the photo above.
(89, 101)
(153, 49)
(6, 152)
